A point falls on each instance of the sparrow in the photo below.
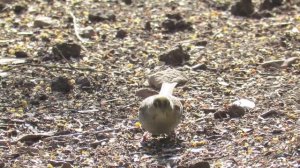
(161, 113)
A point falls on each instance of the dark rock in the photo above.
(270, 4)
(148, 26)
(198, 164)
(34, 102)
(61, 84)
(121, 34)
(175, 56)
(43, 97)
(127, 2)
(43, 21)
(235, 111)
(242, 8)
(66, 50)
(84, 82)
(277, 131)
(21, 54)
(182, 25)
(201, 43)
(220, 114)
(173, 25)
(38, 98)
(169, 24)
(176, 16)
(20, 8)
(95, 16)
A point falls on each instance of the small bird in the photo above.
(161, 113)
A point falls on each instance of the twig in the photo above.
(76, 29)
(88, 111)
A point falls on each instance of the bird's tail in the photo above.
(167, 88)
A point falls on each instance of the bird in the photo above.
(161, 113)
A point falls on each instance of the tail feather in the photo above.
(167, 88)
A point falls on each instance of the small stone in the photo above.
(127, 2)
(277, 131)
(220, 114)
(95, 16)
(145, 92)
(67, 50)
(21, 54)
(148, 26)
(182, 25)
(169, 75)
(242, 8)
(176, 16)
(43, 97)
(43, 21)
(270, 4)
(173, 25)
(198, 164)
(20, 8)
(66, 165)
(235, 111)
(121, 34)
(175, 56)
(169, 24)
(84, 82)
(61, 84)
(201, 43)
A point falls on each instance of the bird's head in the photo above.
(162, 103)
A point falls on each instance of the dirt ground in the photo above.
(70, 71)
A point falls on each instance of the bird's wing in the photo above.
(167, 88)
